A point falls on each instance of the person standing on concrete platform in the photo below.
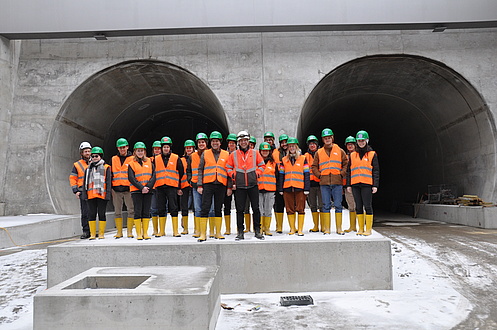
(330, 166)
(156, 150)
(187, 195)
(294, 184)
(350, 146)
(97, 191)
(76, 180)
(267, 183)
(247, 217)
(120, 187)
(168, 172)
(141, 175)
(244, 166)
(314, 198)
(363, 178)
(279, 202)
(227, 199)
(212, 184)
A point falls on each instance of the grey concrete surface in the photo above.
(474, 216)
(132, 297)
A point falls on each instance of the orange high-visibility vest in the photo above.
(143, 173)
(120, 172)
(361, 170)
(294, 174)
(267, 180)
(194, 163)
(331, 164)
(215, 170)
(94, 193)
(184, 181)
(166, 175)
(310, 160)
(76, 180)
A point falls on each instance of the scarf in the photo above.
(96, 176)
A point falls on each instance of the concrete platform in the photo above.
(474, 216)
(180, 297)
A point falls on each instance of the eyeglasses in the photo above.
(95, 156)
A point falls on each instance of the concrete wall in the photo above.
(262, 81)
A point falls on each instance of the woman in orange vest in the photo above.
(97, 191)
(156, 150)
(267, 187)
(350, 146)
(294, 184)
(141, 175)
(314, 198)
(186, 197)
(279, 203)
(363, 176)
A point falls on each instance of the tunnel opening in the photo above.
(141, 100)
(427, 123)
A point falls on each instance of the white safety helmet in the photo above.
(84, 145)
(242, 135)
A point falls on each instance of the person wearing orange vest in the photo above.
(350, 146)
(363, 178)
(97, 191)
(267, 183)
(156, 150)
(244, 166)
(76, 180)
(120, 187)
(228, 199)
(184, 199)
(330, 166)
(294, 185)
(212, 184)
(168, 172)
(279, 202)
(141, 175)
(314, 198)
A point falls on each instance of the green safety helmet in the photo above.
(189, 143)
(269, 134)
(265, 146)
(350, 139)
(201, 136)
(97, 150)
(122, 142)
(166, 140)
(252, 139)
(326, 132)
(216, 135)
(293, 140)
(231, 137)
(362, 135)
(283, 137)
(311, 138)
(156, 144)
(140, 145)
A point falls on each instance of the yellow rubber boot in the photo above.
(155, 224)
(139, 231)
(268, 225)
(101, 229)
(129, 227)
(202, 222)
(325, 222)
(321, 221)
(227, 221)
(119, 226)
(279, 222)
(184, 223)
(175, 227)
(369, 224)
(93, 229)
(162, 227)
(338, 223)
(247, 222)
(212, 227)
(196, 227)
(360, 222)
(291, 222)
(315, 219)
(219, 223)
(352, 218)
(301, 218)
(145, 224)
(263, 225)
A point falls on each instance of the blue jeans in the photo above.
(197, 203)
(327, 191)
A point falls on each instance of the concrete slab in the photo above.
(180, 297)
(474, 216)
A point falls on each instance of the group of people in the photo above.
(272, 178)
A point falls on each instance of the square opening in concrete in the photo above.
(108, 282)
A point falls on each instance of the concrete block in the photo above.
(474, 216)
(180, 297)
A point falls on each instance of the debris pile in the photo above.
(472, 200)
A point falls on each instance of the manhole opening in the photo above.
(108, 282)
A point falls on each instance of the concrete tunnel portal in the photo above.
(427, 123)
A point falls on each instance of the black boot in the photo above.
(85, 235)
(258, 234)
(240, 235)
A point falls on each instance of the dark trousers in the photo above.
(84, 214)
(227, 204)
(142, 203)
(97, 205)
(241, 196)
(184, 200)
(170, 195)
(363, 197)
(216, 191)
(279, 203)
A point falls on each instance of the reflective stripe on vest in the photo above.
(361, 170)
(215, 170)
(143, 173)
(120, 172)
(184, 181)
(94, 193)
(294, 174)
(331, 164)
(194, 164)
(267, 180)
(244, 157)
(166, 175)
(310, 160)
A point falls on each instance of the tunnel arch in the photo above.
(140, 100)
(428, 124)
